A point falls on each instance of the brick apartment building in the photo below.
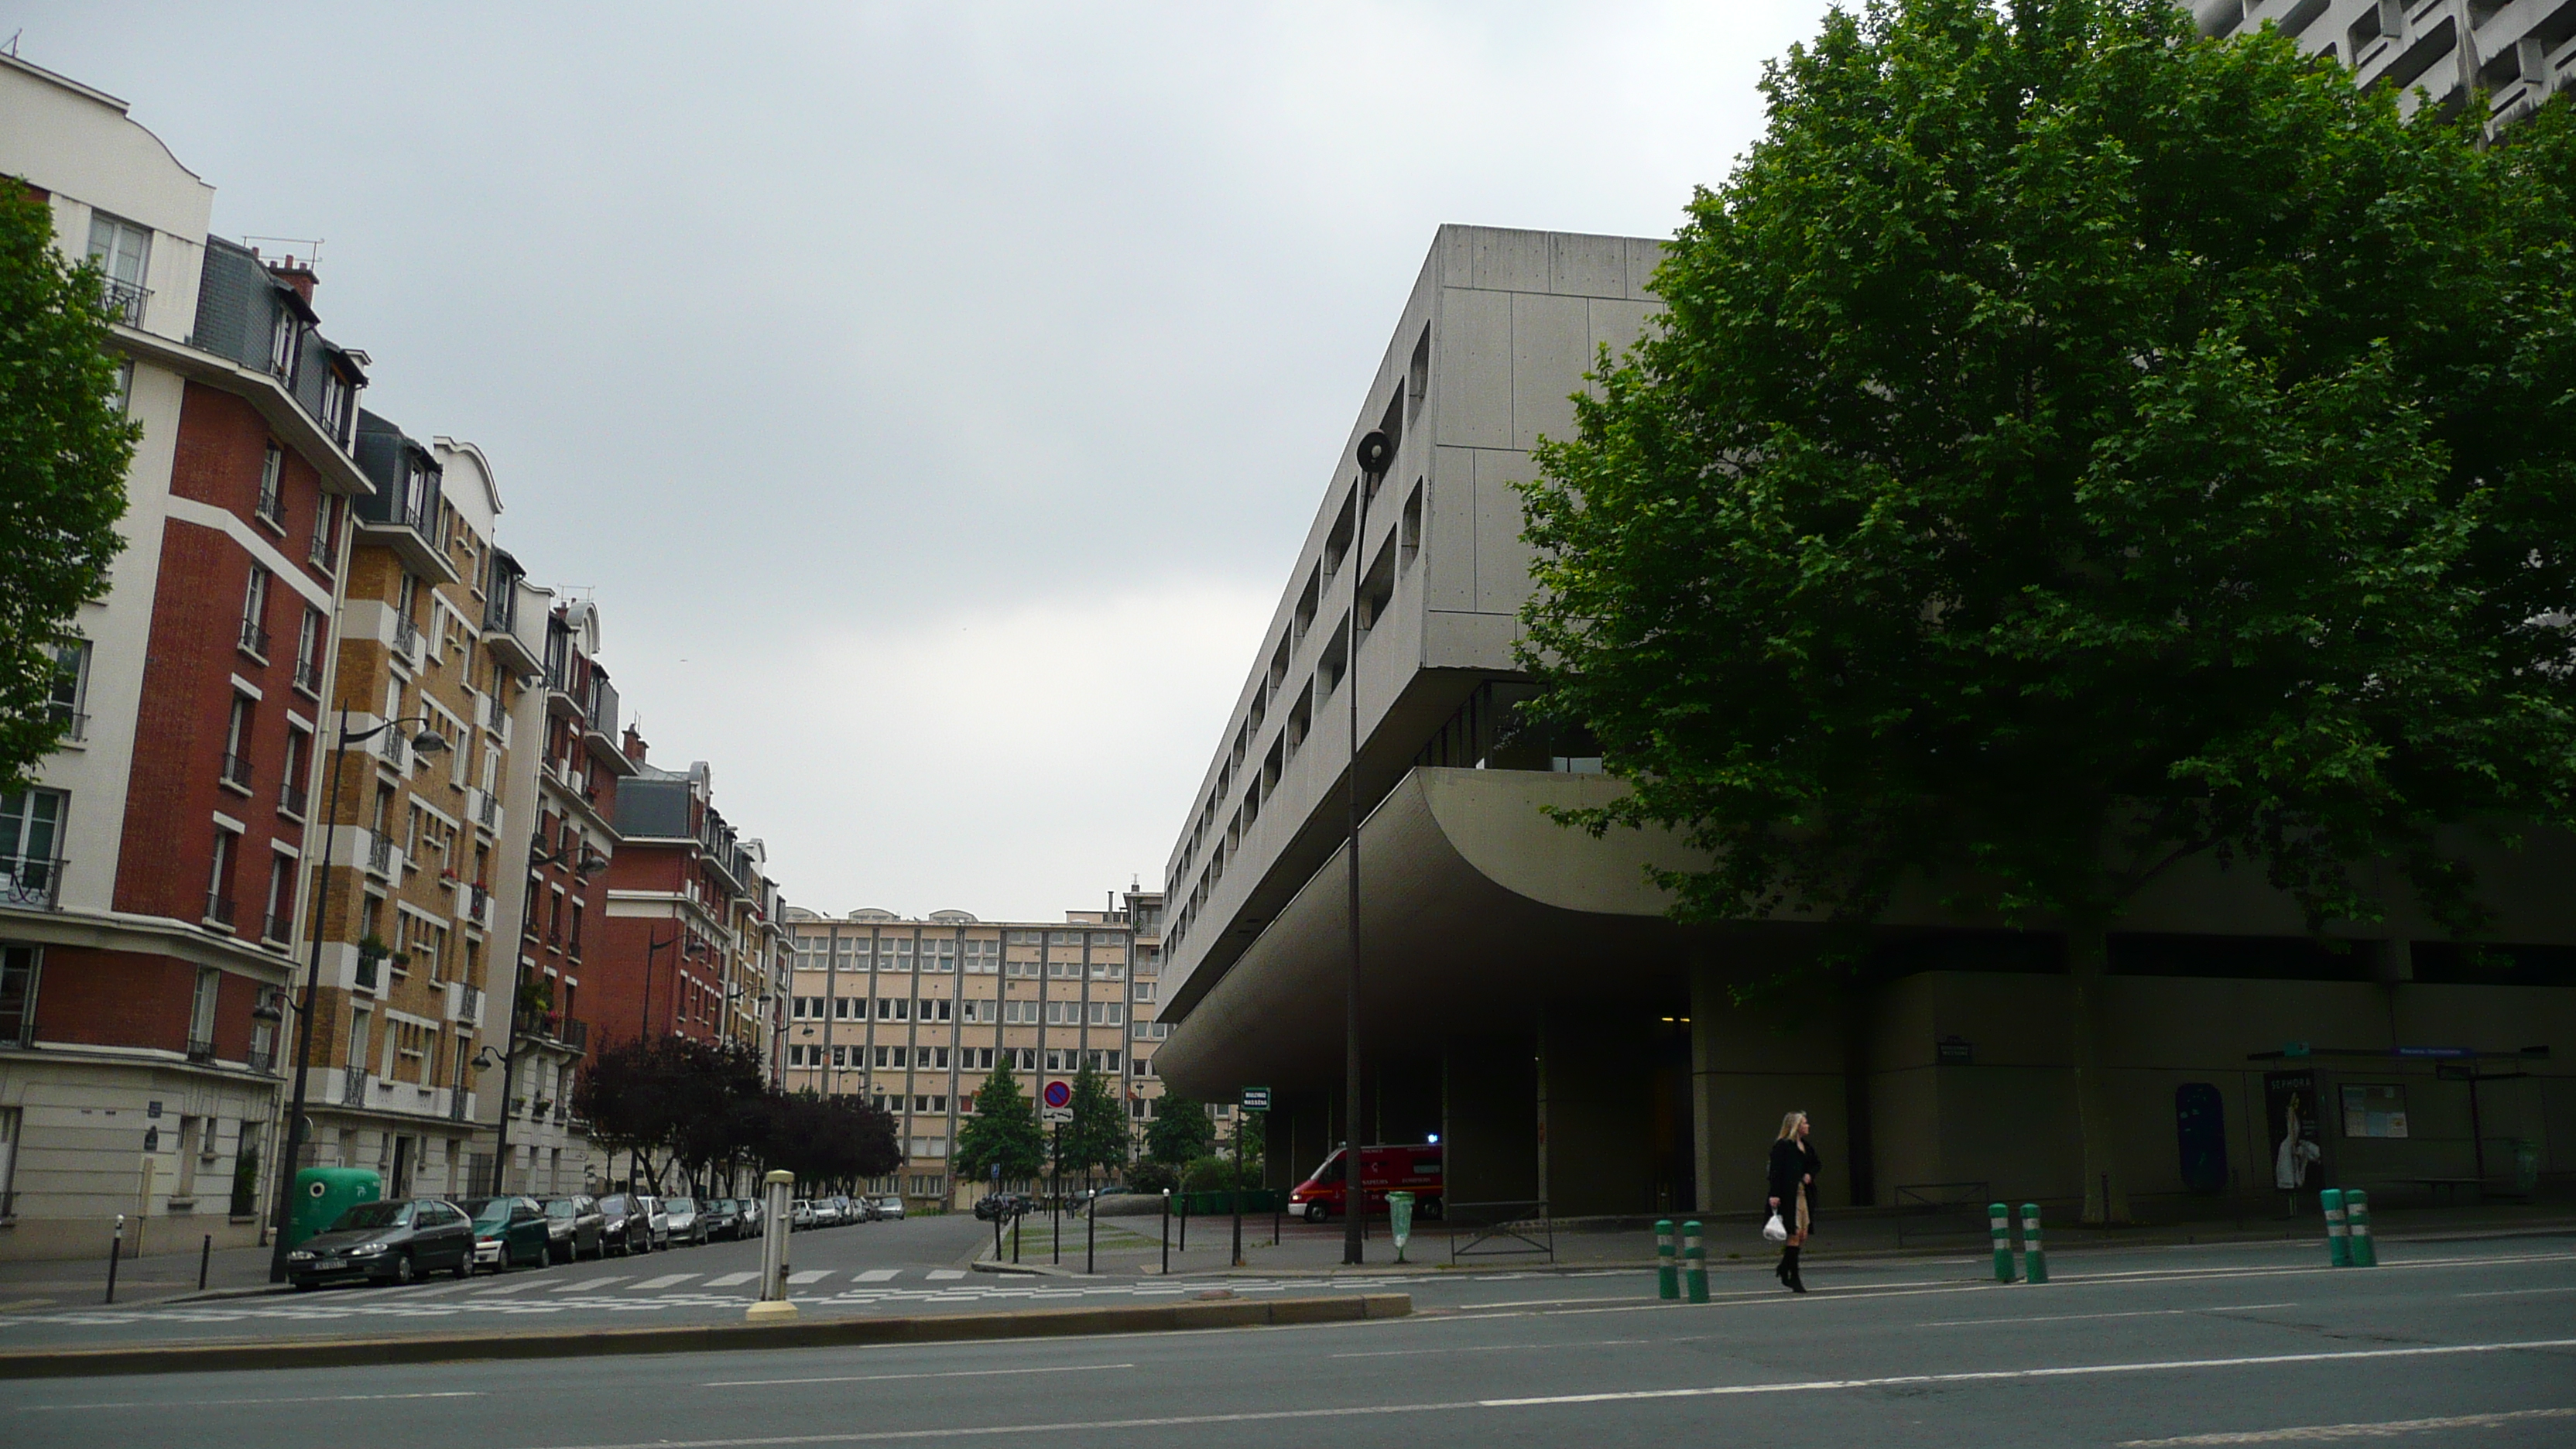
(150, 881)
(914, 1014)
(694, 942)
(409, 919)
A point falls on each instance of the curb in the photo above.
(835, 1333)
(1022, 1270)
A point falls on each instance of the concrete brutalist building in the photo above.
(1526, 997)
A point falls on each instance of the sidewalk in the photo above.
(81, 1282)
(1132, 1247)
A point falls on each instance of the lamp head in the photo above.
(1375, 454)
(429, 742)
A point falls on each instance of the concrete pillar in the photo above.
(1489, 1097)
(1596, 1111)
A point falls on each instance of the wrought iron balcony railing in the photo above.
(254, 639)
(125, 300)
(236, 771)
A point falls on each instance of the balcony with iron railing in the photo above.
(201, 1049)
(125, 301)
(291, 799)
(308, 676)
(406, 636)
(277, 926)
(458, 1102)
(353, 1085)
(380, 855)
(322, 552)
(75, 724)
(487, 812)
(271, 507)
(254, 640)
(262, 1060)
(236, 772)
(30, 883)
(219, 909)
(395, 749)
(478, 906)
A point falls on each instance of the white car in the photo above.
(891, 1207)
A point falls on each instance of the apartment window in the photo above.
(219, 880)
(945, 959)
(277, 921)
(309, 639)
(1145, 990)
(19, 966)
(67, 697)
(123, 252)
(1057, 1059)
(840, 1056)
(324, 550)
(272, 488)
(286, 345)
(936, 1008)
(236, 765)
(254, 620)
(1108, 1013)
(893, 1008)
(983, 958)
(885, 1056)
(1064, 970)
(201, 1013)
(336, 395)
(572, 946)
(978, 1059)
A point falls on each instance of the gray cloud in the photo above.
(998, 352)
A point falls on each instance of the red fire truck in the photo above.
(1412, 1167)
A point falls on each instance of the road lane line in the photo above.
(1254, 1416)
(230, 1403)
(506, 1288)
(586, 1284)
(730, 1280)
(2513, 1292)
(1509, 1347)
(878, 1275)
(2326, 1433)
(811, 1275)
(938, 1275)
(1083, 1368)
(2075, 1317)
(667, 1280)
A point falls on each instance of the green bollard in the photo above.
(1999, 1221)
(2338, 1247)
(1694, 1263)
(2034, 1256)
(2363, 1249)
(1668, 1283)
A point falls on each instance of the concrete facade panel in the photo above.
(1551, 348)
(1644, 255)
(1618, 326)
(1507, 261)
(1587, 266)
(1471, 369)
(1502, 559)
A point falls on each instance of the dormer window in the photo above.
(286, 345)
(336, 393)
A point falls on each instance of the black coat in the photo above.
(1791, 1160)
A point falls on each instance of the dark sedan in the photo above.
(509, 1232)
(386, 1242)
(722, 1217)
(624, 1225)
(575, 1228)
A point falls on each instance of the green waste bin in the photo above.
(323, 1193)
(2526, 1166)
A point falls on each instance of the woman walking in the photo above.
(1793, 1190)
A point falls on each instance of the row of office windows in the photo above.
(966, 1059)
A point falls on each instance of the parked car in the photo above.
(723, 1217)
(656, 1218)
(509, 1232)
(891, 1206)
(844, 1211)
(827, 1213)
(386, 1242)
(755, 1219)
(865, 1208)
(1001, 1207)
(574, 1227)
(801, 1215)
(624, 1228)
(685, 1220)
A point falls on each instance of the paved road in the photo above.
(2131, 1349)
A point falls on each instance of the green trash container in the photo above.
(323, 1193)
(2526, 1166)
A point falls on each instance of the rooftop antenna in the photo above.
(12, 47)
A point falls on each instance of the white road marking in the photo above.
(730, 1280)
(878, 1275)
(2327, 1433)
(811, 1275)
(1551, 1401)
(1507, 1347)
(586, 1284)
(2512, 1292)
(506, 1288)
(667, 1280)
(2075, 1317)
(1083, 1368)
(936, 1275)
(227, 1403)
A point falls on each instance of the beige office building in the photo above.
(915, 1014)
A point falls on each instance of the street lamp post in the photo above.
(428, 742)
(1374, 453)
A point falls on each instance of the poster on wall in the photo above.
(2290, 1111)
(2374, 1110)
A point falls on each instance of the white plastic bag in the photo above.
(1775, 1231)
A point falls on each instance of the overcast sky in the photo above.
(932, 396)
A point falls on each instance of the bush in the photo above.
(1215, 1174)
(1152, 1177)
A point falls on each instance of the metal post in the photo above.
(312, 1003)
(1373, 457)
(1999, 1223)
(205, 1260)
(2034, 1254)
(115, 1250)
(2338, 1246)
(2356, 1224)
(1055, 1199)
(773, 1302)
(1185, 1220)
(1015, 1235)
(1091, 1230)
(1278, 1210)
(1694, 1263)
(1237, 1194)
(1167, 1231)
(1668, 1285)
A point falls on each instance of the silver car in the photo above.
(891, 1208)
(681, 1216)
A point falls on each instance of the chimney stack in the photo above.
(634, 745)
(297, 275)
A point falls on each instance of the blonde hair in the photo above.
(1789, 1125)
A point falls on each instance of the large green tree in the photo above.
(2075, 447)
(64, 446)
(1003, 1131)
(1180, 1133)
(1097, 1135)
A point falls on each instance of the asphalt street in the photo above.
(2170, 1347)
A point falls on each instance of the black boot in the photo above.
(1790, 1265)
(1781, 1271)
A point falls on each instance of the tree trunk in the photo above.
(2088, 960)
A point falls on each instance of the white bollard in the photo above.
(773, 1302)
